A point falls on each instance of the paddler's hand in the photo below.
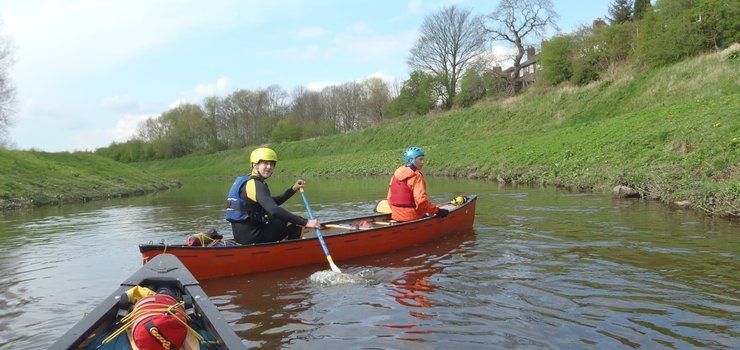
(298, 185)
(313, 223)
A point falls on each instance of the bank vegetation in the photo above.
(672, 134)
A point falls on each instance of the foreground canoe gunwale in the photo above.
(214, 262)
(166, 270)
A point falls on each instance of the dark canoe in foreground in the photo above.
(163, 271)
(345, 240)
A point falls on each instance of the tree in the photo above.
(377, 95)
(718, 22)
(7, 91)
(514, 21)
(641, 7)
(585, 63)
(130, 151)
(177, 132)
(472, 88)
(417, 96)
(308, 106)
(614, 44)
(620, 11)
(556, 59)
(449, 40)
(286, 130)
(668, 34)
(348, 101)
(183, 125)
(213, 117)
(236, 131)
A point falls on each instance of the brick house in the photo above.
(527, 74)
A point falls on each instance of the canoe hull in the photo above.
(167, 271)
(214, 262)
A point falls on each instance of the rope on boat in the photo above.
(128, 320)
(166, 344)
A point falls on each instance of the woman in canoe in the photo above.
(255, 215)
(407, 192)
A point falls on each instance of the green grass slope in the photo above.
(671, 133)
(30, 179)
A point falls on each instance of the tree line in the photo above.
(449, 67)
(641, 36)
(252, 117)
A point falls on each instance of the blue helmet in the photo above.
(410, 154)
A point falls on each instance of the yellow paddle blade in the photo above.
(383, 207)
(332, 265)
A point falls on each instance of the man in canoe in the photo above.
(407, 192)
(255, 215)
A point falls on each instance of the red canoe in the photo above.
(345, 239)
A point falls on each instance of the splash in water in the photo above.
(330, 278)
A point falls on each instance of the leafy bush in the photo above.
(556, 59)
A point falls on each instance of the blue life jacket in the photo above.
(237, 209)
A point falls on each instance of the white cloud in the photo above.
(60, 40)
(383, 76)
(221, 87)
(177, 103)
(124, 130)
(312, 32)
(126, 126)
(320, 85)
(501, 56)
(85, 37)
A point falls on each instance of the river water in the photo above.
(542, 269)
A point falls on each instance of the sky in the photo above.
(87, 72)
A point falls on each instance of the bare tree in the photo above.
(7, 91)
(307, 106)
(377, 95)
(349, 105)
(214, 120)
(279, 102)
(235, 116)
(449, 40)
(515, 21)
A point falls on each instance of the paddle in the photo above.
(383, 207)
(318, 234)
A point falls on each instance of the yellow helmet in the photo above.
(262, 154)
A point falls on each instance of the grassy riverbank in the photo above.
(671, 133)
(29, 179)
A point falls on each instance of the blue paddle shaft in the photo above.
(318, 231)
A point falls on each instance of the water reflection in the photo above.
(286, 308)
(543, 269)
